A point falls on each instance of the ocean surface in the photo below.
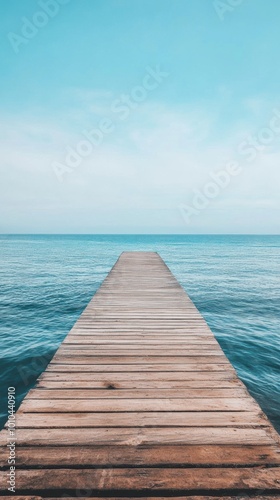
(46, 282)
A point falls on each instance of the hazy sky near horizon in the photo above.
(126, 116)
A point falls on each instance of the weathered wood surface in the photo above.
(140, 401)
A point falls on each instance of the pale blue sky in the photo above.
(66, 67)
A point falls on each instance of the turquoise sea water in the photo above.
(46, 281)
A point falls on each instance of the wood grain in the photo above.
(140, 401)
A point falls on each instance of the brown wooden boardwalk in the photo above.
(140, 400)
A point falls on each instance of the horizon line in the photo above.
(139, 234)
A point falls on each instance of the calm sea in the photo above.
(46, 281)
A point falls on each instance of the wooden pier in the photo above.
(140, 401)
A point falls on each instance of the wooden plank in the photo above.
(131, 350)
(154, 367)
(144, 455)
(117, 377)
(135, 384)
(108, 405)
(51, 394)
(142, 436)
(151, 346)
(135, 359)
(126, 341)
(158, 479)
(127, 328)
(142, 419)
